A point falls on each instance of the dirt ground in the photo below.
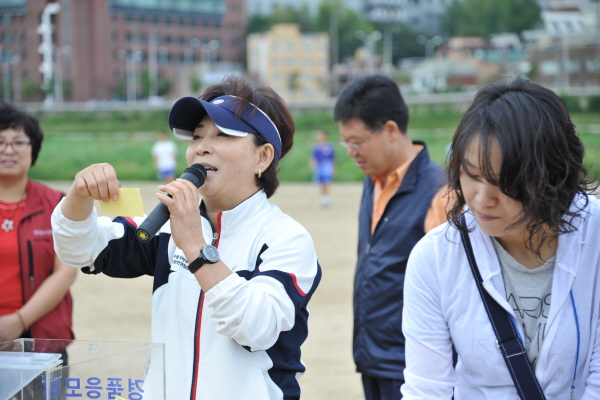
(119, 309)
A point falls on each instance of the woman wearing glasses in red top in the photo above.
(35, 300)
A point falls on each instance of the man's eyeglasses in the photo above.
(19, 145)
(356, 146)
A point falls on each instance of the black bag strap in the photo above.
(507, 338)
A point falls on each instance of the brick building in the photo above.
(99, 46)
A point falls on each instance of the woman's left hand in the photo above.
(186, 224)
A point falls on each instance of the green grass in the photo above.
(74, 141)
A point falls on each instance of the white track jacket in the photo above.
(239, 340)
(443, 307)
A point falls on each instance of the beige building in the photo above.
(295, 65)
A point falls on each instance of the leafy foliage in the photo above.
(484, 17)
(332, 15)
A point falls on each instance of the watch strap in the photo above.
(196, 264)
(203, 259)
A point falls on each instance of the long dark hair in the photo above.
(271, 104)
(542, 156)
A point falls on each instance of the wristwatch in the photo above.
(208, 255)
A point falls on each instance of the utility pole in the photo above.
(152, 65)
(334, 20)
(47, 48)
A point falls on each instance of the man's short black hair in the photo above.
(13, 118)
(373, 99)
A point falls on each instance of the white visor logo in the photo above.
(218, 101)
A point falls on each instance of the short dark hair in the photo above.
(13, 118)
(373, 99)
(271, 104)
(542, 156)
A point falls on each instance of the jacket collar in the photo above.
(33, 202)
(567, 261)
(230, 220)
(411, 179)
(567, 254)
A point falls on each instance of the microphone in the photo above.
(196, 174)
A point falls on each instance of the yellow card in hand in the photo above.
(129, 204)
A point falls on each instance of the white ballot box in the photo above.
(39, 369)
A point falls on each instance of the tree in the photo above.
(485, 17)
(163, 86)
(195, 83)
(258, 24)
(282, 14)
(404, 41)
(68, 89)
(341, 23)
(120, 89)
(348, 22)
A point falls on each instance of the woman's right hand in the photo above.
(98, 181)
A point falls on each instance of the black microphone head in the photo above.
(196, 174)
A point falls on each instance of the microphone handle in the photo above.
(153, 222)
(195, 174)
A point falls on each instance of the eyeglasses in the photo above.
(356, 146)
(19, 145)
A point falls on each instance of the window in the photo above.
(549, 67)
(573, 66)
(164, 57)
(569, 26)
(592, 65)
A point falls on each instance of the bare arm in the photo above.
(45, 298)
(50, 292)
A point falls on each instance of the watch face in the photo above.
(211, 253)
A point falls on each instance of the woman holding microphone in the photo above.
(232, 273)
